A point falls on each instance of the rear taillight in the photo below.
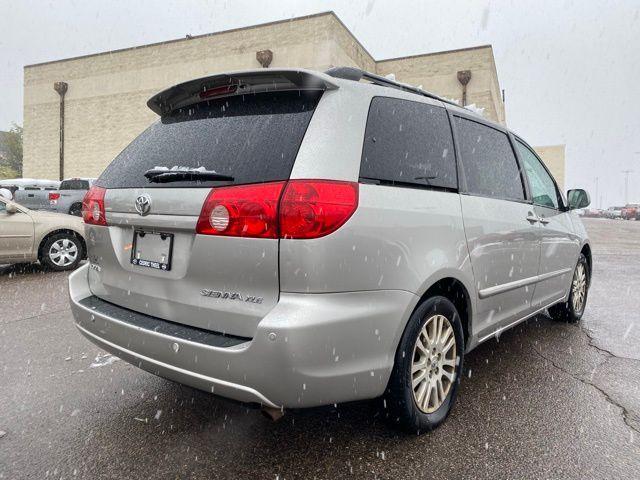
(315, 208)
(242, 211)
(53, 198)
(300, 209)
(93, 207)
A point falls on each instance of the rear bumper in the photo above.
(309, 350)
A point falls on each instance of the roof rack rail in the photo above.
(356, 74)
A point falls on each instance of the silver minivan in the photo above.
(293, 239)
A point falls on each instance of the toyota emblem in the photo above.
(143, 204)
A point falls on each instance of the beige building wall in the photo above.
(553, 157)
(107, 93)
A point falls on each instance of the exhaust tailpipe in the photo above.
(273, 414)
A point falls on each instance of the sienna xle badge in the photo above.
(292, 239)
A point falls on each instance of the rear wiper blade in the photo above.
(175, 174)
(399, 183)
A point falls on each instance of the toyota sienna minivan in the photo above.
(292, 239)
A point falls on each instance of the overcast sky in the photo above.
(571, 69)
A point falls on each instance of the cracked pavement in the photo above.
(545, 400)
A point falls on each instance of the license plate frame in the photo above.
(139, 250)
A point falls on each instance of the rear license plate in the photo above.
(152, 249)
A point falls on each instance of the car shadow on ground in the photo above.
(22, 269)
(26, 269)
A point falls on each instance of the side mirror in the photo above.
(11, 208)
(578, 198)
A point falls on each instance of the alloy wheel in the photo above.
(433, 369)
(579, 288)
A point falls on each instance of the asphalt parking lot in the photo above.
(545, 400)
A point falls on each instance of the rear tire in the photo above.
(76, 210)
(424, 382)
(572, 310)
(62, 251)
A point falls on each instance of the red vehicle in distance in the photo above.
(631, 211)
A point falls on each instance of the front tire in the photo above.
(428, 364)
(62, 251)
(572, 310)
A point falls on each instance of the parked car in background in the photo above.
(56, 240)
(30, 192)
(68, 198)
(631, 211)
(593, 213)
(613, 213)
(320, 247)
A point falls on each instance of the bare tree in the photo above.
(11, 158)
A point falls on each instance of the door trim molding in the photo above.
(505, 287)
(498, 331)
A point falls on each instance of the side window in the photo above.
(74, 185)
(488, 162)
(543, 189)
(3, 207)
(408, 143)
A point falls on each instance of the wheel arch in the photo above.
(586, 251)
(455, 290)
(56, 232)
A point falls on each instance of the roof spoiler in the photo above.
(250, 81)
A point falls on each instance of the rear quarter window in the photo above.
(253, 138)
(408, 143)
(74, 185)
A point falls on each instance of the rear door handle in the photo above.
(531, 218)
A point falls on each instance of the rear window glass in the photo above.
(408, 143)
(253, 138)
(488, 162)
(74, 185)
